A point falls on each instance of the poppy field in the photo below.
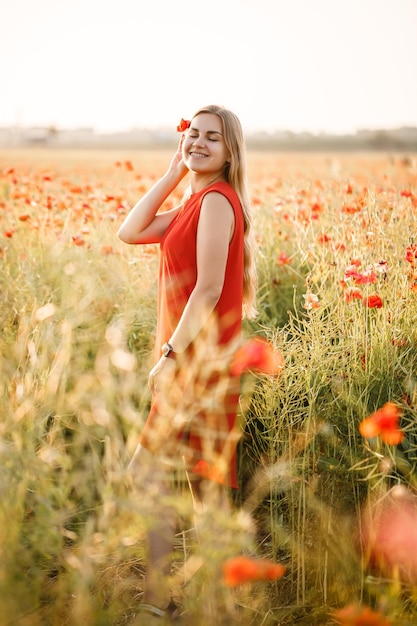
(323, 527)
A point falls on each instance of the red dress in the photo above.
(196, 419)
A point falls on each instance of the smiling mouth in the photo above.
(198, 155)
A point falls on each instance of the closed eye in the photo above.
(195, 136)
(212, 135)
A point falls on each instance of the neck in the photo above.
(198, 183)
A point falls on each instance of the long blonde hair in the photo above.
(236, 175)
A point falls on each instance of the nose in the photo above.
(199, 141)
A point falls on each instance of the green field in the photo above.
(337, 262)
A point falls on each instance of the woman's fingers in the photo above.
(162, 371)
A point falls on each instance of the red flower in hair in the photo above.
(183, 125)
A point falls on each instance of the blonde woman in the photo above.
(207, 283)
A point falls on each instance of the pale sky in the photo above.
(314, 65)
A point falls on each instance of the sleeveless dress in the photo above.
(195, 418)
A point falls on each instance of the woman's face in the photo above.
(204, 150)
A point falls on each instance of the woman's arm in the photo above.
(214, 232)
(143, 224)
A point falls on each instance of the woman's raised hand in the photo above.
(177, 164)
(142, 224)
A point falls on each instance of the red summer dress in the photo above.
(196, 419)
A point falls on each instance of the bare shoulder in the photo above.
(216, 203)
(217, 214)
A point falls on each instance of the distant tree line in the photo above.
(400, 139)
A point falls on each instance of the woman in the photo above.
(207, 281)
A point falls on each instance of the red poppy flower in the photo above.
(323, 238)
(243, 569)
(311, 301)
(374, 301)
(257, 355)
(351, 271)
(107, 249)
(8, 170)
(352, 294)
(283, 259)
(316, 207)
(383, 422)
(339, 246)
(357, 615)
(183, 125)
(365, 278)
(388, 534)
(351, 209)
(411, 253)
(78, 240)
